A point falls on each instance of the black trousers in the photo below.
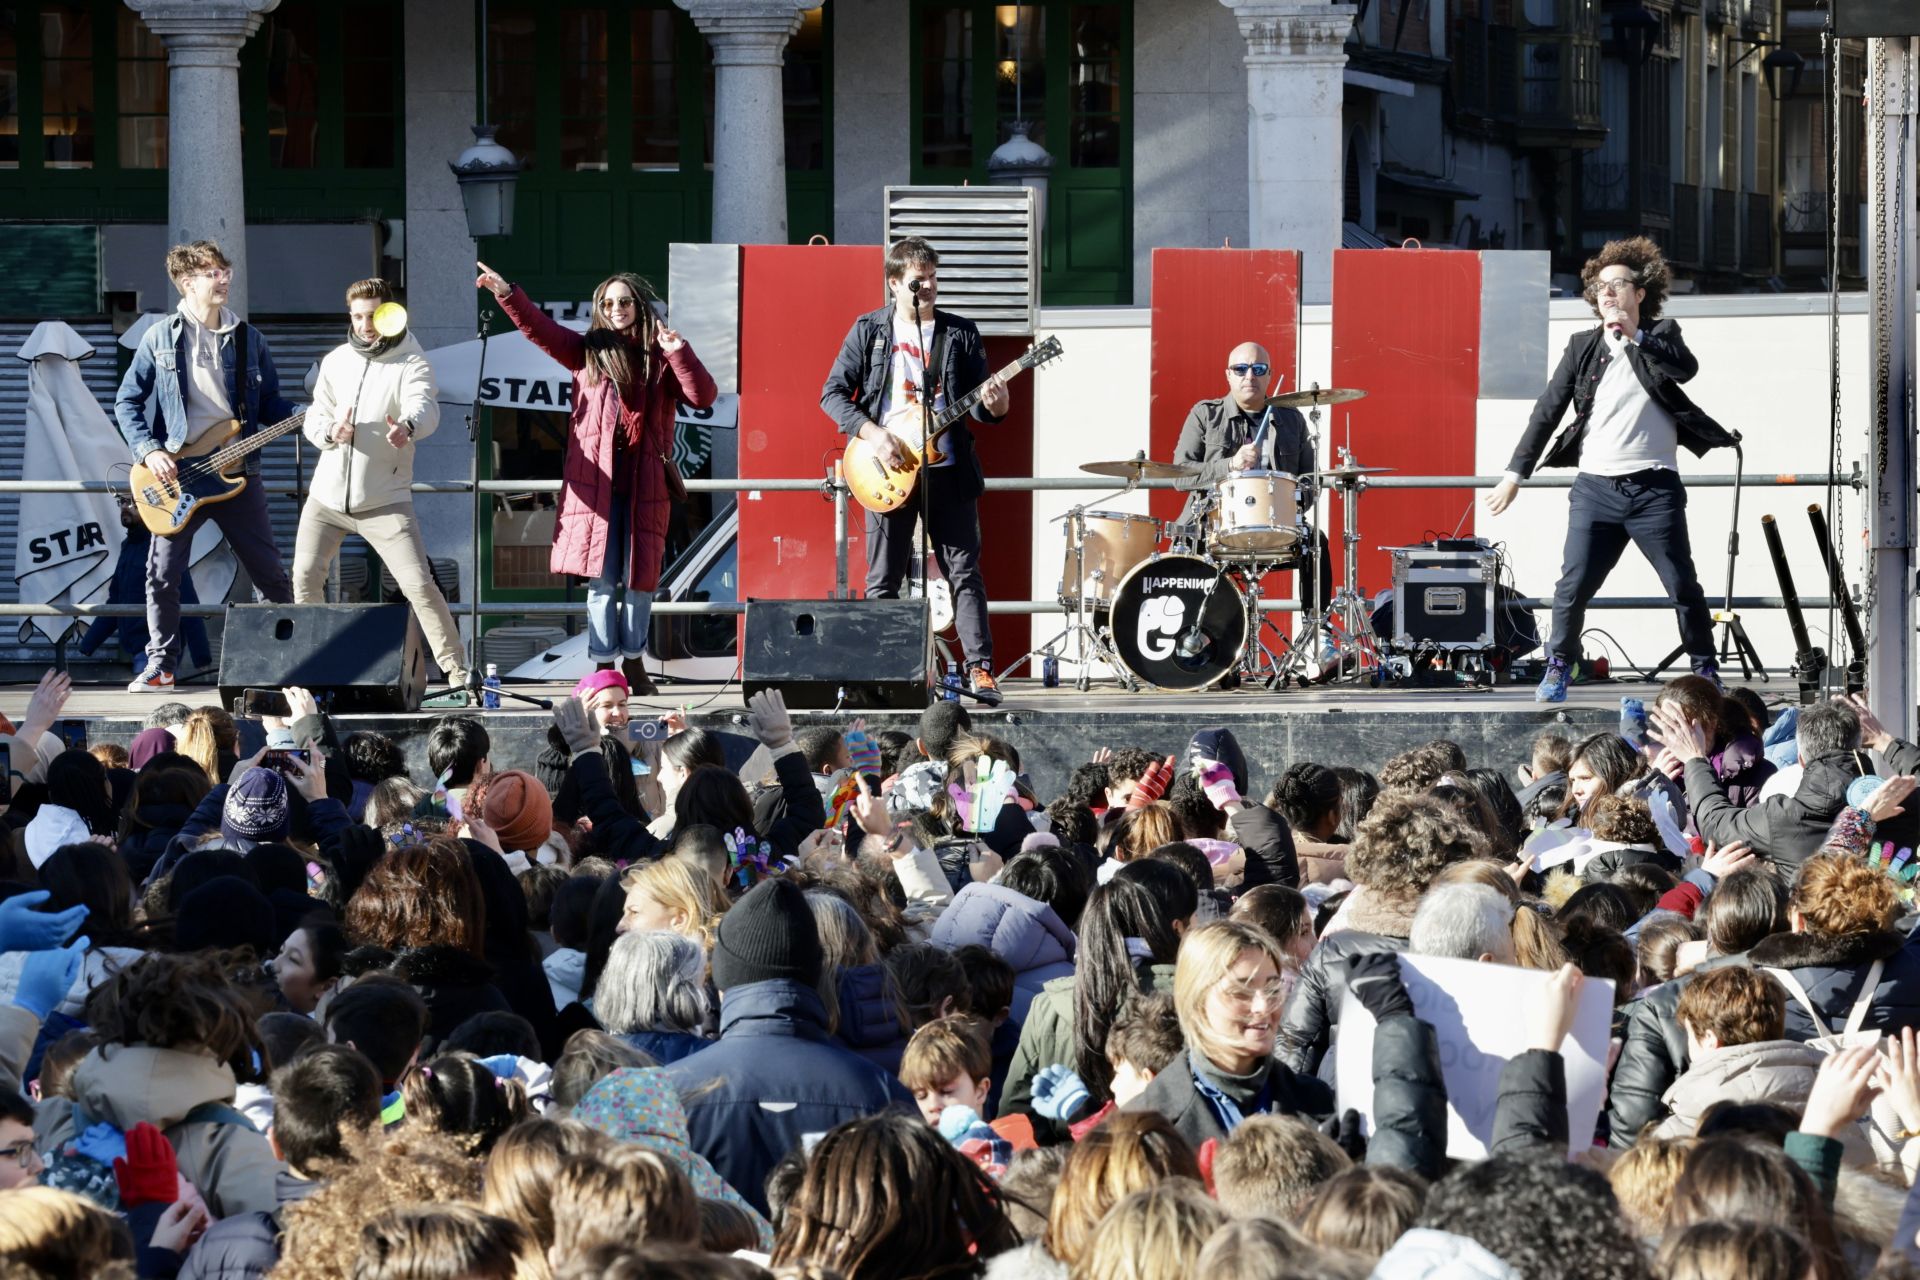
(1605, 513)
(954, 530)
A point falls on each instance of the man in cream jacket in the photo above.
(374, 398)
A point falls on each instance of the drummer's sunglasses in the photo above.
(1241, 370)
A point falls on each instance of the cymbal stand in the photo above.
(1303, 653)
(1353, 634)
(1088, 644)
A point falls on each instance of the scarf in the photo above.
(1231, 1097)
(378, 347)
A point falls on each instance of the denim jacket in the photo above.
(151, 406)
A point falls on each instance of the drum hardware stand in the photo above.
(1735, 645)
(1348, 608)
(1088, 644)
(1314, 622)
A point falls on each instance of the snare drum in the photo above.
(1255, 513)
(1180, 622)
(1101, 547)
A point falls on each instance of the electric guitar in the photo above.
(881, 488)
(204, 477)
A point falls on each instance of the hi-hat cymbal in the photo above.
(1341, 473)
(1139, 468)
(1315, 396)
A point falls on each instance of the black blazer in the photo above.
(1662, 362)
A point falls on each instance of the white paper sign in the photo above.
(1480, 1014)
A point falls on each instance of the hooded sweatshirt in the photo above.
(207, 402)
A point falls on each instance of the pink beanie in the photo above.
(594, 681)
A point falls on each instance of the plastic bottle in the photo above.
(490, 689)
(1049, 672)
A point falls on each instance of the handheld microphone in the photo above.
(913, 287)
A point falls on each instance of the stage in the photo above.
(1055, 729)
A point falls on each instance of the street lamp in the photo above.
(486, 171)
(1020, 161)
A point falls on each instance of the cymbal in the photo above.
(1139, 468)
(1315, 396)
(1341, 473)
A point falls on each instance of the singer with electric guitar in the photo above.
(190, 408)
(881, 393)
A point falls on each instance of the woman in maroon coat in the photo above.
(616, 493)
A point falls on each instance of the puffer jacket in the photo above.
(1025, 933)
(1616, 857)
(774, 1077)
(1269, 842)
(367, 472)
(1831, 967)
(1046, 1038)
(1777, 1071)
(246, 1246)
(870, 1020)
(1653, 1054)
(1313, 1008)
(1787, 830)
(124, 1085)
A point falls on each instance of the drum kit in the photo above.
(1176, 606)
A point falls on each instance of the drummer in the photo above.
(1240, 431)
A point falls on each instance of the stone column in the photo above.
(1295, 56)
(749, 39)
(206, 197)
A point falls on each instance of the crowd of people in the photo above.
(829, 1002)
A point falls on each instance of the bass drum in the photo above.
(1179, 622)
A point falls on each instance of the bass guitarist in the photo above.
(879, 390)
(185, 380)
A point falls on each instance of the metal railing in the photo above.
(835, 490)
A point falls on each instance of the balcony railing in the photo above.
(1686, 224)
(1603, 186)
(1756, 254)
(1560, 84)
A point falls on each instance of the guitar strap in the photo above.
(240, 376)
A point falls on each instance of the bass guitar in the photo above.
(207, 474)
(881, 488)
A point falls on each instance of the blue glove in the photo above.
(47, 976)
(24, 929)
(101, 1142)
(504, 1066)
(957, 1121)
(1058, 1093)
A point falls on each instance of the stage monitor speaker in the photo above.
(370, 657)
(1865, 19)
(875, 652)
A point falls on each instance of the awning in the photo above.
(1426, 184)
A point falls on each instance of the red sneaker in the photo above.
(155, 679)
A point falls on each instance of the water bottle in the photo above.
(490, 689)
(1049, 672)
(950, 687)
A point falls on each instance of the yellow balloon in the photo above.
(390, 320)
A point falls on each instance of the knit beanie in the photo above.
(519, 810)
(226, 912)
(768, 935)
(256, 809)
(594, 681)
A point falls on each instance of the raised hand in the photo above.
(24, 929)
(1841, 1092)
(1889, 798)
(1722, 862)
(1686, 739)
(670, 340)
(575, 723)
(1873, 734)
(771, 723)
(1152, 785)
(44, 707)
(492, 281)
(1551, 1017)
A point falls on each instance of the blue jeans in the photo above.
(617, 615)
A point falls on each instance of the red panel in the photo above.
(796, 304)
(1206, 302)
(1406, 330)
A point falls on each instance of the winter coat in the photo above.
(1410, 1098)
(1025, 933)
(123, 1085)
(1787, 830)
(1313, 1007)
(1776, 1071)
(143, 845)
(666, 1046)
(246, 1246)
(1530, 1109)
(774, 1077)
(509, 948)
(586, 473)
(1269, 842)
(1616, 857)
(367, 472)
(1653, 1054)
(455, 984)
(870, 1019)
(1831, 967)
(1046, 1038)
(639, 1105)
(1320, 863)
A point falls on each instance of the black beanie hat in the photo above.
(769, 934)
(226, 912)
